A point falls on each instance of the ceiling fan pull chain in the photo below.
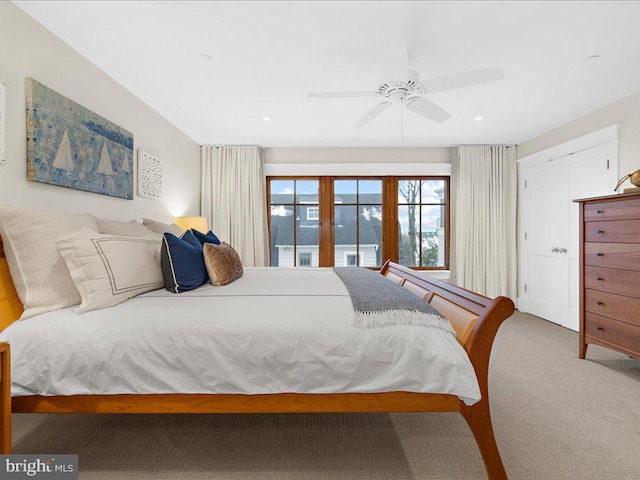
(401, 123)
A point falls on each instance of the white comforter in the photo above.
(272, 331)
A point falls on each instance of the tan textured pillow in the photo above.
(223, 263)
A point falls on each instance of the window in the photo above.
(313, 213)
(304, 259)
(421, 223)
(361, 221)
(292, 227)
(351, 259)
(357, 213)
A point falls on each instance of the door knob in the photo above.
(555, 249)
(563, 250)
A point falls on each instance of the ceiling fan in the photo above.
(400, 85)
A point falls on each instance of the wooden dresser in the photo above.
(610, 273)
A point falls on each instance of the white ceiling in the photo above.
(268, 55)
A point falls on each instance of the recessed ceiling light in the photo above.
(266, 119)
(478, 119)
(592, 58)
(206, 58)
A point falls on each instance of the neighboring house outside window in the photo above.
(326, 221)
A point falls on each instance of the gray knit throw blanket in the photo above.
(379, 302)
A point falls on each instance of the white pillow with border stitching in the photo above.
(109, 269)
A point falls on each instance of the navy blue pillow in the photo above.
(182, 263)
(208, 238)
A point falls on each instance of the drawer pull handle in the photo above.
(599, 279)
(599, 254)
(598, 211)
(599, 329)
(599, 231)
(599, 304)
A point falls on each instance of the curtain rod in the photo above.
(224, 146)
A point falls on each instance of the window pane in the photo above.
(370, 236)
(281, 191)
(408, 235)
(345, 191)
(433, 191)
(433, 236)
(345, 233)
(307, 191)
(370, 191)
(408, 191)
(306, 233)
(282, 236)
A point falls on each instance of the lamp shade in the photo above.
(197, 223)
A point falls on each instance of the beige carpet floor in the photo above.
(556, 417)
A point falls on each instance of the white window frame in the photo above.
(359, 258)
(299, 263)
(316, 215)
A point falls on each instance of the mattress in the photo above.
(271, 331)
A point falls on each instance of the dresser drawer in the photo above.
(617, 255)
(613, 231)
(613, 332)
(625, 309)
(614, 210)
(613, 280)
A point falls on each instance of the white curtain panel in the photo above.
(485, 220)
(234, 200)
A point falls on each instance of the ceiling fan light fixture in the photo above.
(479, 118)
(266, 119)
(592, 58)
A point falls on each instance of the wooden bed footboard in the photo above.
(475, 318)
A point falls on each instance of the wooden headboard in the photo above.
(10, 305)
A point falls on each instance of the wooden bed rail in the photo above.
(475, 318)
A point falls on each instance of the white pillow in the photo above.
(124, 229)
(39, 273)
(159, 227)
(109, 269)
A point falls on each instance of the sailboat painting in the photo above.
(70, 146)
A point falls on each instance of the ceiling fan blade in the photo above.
(427, 109)
(342, 94)
(395, 62)
(371, 114)
(465, 79)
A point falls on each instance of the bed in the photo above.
(474, 318)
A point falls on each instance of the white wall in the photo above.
(357, 155)
(625, 112)
(27, 49)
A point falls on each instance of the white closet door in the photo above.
(547, 230)
(550, 253)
